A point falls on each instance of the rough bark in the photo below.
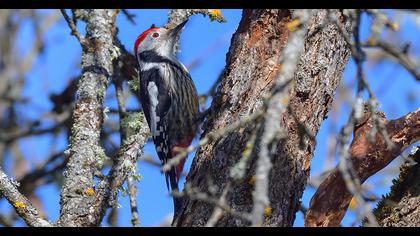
(22, 205)
(401, 207)
(84, 152)
(251, 69)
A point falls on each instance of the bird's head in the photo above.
(159, 40)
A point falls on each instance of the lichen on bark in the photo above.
(77, 207)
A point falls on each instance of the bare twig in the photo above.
(130, 16)
(346, 168)
(380, 21)
(349, 174)
(31, 129)
(150, 160)
(73, 28)
(177, 16)
(218, 212)
(215, 135)
(195, 194)
(31, 180)
(132, 194)
(351, 179)
(6, 220)
(124, 164)
(398, 54)
(124, 133)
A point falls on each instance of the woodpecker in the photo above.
(168, 97)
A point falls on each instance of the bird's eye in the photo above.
(155, 35)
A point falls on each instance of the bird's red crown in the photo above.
(141, 37)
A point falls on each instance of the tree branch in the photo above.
(398, 54)
(132, 194)
(124, 163)
(86, 156)
(74, 30)
(124, 132)
(22, 205)
(332, 198)
(177, 16)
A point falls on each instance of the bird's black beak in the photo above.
(177, 30)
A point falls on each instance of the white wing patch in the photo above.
(153, 97)
(145, 66)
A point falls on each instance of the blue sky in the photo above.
(201, 38)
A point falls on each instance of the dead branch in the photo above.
(331, 200)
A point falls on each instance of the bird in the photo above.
(168, 97)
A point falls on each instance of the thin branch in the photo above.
(30, 180)
(195, 194)
(130, 16)
(398, 54)
(351, 179)
(124, 164)
(218, 212)
(358, 117)
(31, 130)
(73, 28)
(177, 16)
(132, 193)
(150, 160)
(346, 168)
(6, 220)
(132, 189)
(215, 135)
(380, 21)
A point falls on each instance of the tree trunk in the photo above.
(251, 70)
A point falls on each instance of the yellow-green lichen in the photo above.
(137, 177)
(216, 15)
(100, 155)
(132, 122)
(134, 84)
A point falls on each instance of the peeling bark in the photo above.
(332, 198)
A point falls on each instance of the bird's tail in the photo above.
(174, 187)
